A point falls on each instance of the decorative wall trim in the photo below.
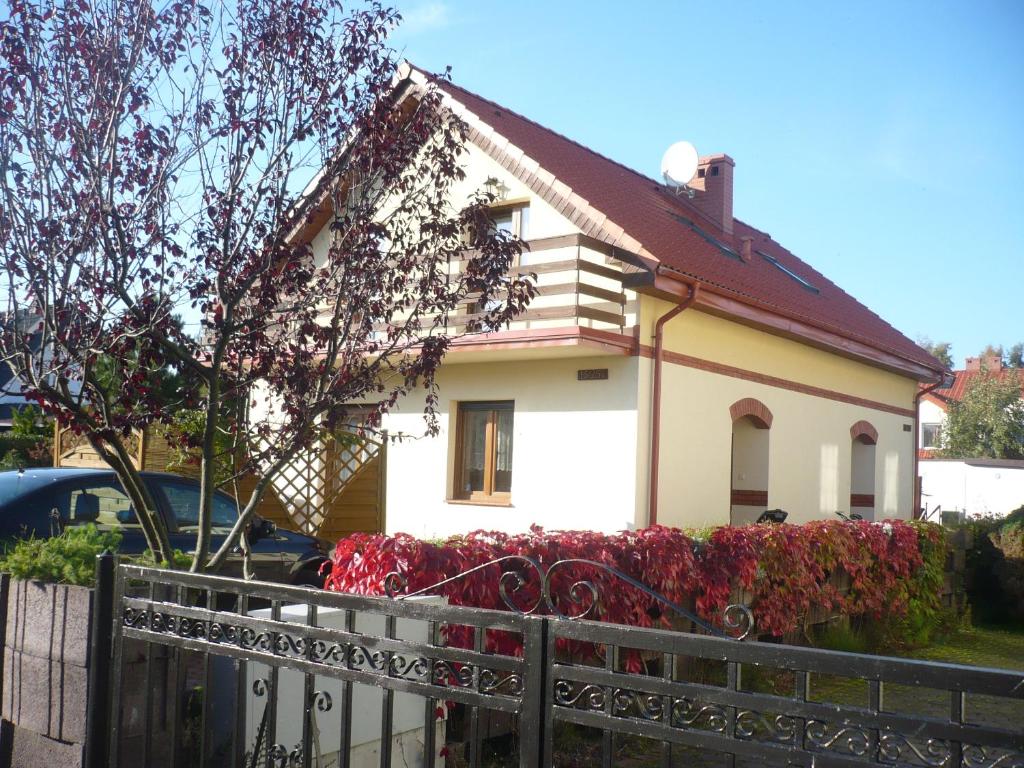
(749, 498)
(865, 432)
(753, 409)
(774, 381)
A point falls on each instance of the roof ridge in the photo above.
(661, 187)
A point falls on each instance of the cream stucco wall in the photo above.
(573, 460)
(810, 449)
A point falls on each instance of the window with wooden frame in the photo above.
(513, 218)
(483, 452)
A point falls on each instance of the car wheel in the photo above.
(309, 577)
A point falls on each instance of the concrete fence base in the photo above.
(45, 675)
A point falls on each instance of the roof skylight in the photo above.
(728, 251)
(775, 262)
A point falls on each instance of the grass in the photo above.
(987, 645)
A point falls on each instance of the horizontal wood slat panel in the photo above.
(600, 315)
(617, 297)
(598, 269)
(566, 265)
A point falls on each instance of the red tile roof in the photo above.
(963, 379)
(647, 210)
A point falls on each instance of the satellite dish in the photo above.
(679, 164)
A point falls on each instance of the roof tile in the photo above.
(647, 211)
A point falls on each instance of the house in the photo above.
(679, 366)
(935, 402)
(958, 487)
(11, 397)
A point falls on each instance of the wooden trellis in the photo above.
(335, 489)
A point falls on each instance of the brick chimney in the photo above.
(991, 363)
(713, 183)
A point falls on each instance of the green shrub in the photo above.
(17, 452)
(1008, 539)
(182, 560)
(66, 559)
(29, 443)
(843, 636)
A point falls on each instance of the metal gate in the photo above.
(215, 671)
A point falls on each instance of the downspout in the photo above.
(917, 441)
(652, 517)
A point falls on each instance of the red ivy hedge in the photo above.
(787, 570)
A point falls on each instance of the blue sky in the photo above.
(883, 142)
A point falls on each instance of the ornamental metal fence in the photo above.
(211, 671)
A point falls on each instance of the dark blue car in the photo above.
(42, 502)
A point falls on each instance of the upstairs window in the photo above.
(514, 219)
(931, 435)
(483, 452)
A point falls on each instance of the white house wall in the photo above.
(573, 461)
(930, 413)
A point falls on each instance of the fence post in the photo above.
(97, 732)
(534, 718)
(6, 729)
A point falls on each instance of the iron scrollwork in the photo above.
(975, 756)
(758, 726)
(581, 598)
(844, 739)
(678, 712)
(509, 582)
(894, 747)
(591, 696)
(690, 712)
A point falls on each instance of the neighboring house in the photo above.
(10, 400)
(934, 404)
(965, 486)
(11, 397)
(606, 406)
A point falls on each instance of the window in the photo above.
(931, 435)
(785, 270)
(101, 503)
(483, 452)
(725, 249)
(183, 499)
(514, 219)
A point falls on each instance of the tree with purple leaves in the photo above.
(154, 168)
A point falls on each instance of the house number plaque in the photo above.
(592, 374)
